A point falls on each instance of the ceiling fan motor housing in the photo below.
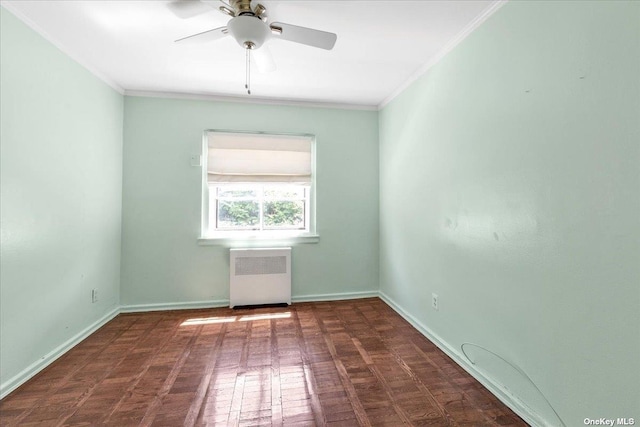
(249, 31)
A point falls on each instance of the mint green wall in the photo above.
(61, 188)
(161, 259)
(510, 186)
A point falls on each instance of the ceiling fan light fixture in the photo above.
(249, 31)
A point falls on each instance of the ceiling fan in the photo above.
(248, 26)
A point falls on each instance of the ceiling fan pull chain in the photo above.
(247, 84)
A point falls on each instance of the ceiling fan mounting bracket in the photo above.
(242, 7)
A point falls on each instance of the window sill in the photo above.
(256, 241)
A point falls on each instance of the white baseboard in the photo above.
(37, 366)
(31, 370)
(335, 297)
(141, 308)
(496, 389)
(191, 305)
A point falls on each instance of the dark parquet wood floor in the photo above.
(345, 363)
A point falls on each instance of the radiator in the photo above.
(260, 276)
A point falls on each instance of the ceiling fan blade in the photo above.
(263, 59)
(205, 36)
(189, 8)
(304, 35)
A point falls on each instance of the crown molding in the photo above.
(252, 100)
(468, 29)
(35, 27)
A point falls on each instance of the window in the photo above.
(257, 186)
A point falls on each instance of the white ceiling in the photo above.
(382, 45)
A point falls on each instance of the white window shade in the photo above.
(258, 158)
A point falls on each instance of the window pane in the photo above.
(285, 192)
(237, 192)
(284, 215)
(238, 214)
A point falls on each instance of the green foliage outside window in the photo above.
(246, 214)
(284, 213)
(239, 214)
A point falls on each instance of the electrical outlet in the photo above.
(434, 301)
(94, 295)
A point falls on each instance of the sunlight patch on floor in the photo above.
(229, 319)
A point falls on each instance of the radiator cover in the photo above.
(259, 276)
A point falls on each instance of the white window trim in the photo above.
(261, 241)
(251, 238)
